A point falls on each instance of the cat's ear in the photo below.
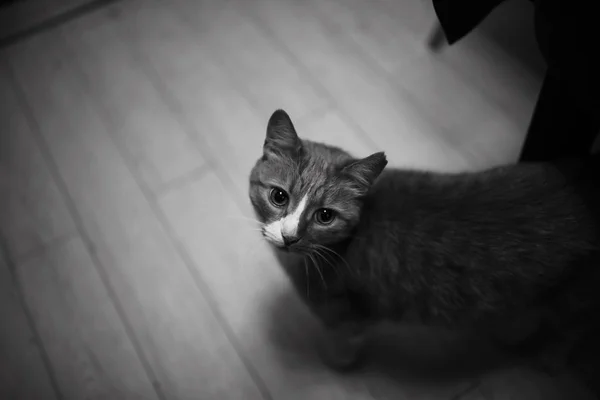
(362, 173)
(281, 136)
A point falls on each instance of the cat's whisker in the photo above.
(242, 218)
(324, 251)
(267, 235)
(325, 257)
(316, 264)
(250, 228)
(335, 253)
(307, 279)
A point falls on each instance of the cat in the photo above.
(518, 242)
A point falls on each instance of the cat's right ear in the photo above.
(364, 172)
(281, 139)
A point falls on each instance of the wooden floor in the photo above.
(127, 269)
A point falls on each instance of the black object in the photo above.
(566, 118)
(559, 127)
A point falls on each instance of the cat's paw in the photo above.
(342, 352)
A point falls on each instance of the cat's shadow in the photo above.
(395, 355)
(399, 353)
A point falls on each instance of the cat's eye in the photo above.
(325, 216)
(278, 197)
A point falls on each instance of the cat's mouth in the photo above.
(288, 248)
(280, 243)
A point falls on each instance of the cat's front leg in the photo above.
(342, 348)
(342, 343)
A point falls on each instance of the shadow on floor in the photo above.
(413, 355)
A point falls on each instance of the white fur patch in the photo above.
(290, 223)
(273, 232)
(286, 226)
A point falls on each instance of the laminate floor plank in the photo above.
(21, 16)
(213, 106)
(32, 212)
(332, 128)
(23, 372)
(265, 74)
(89, 349)
(379, 34)
(474, 124)
(180, 337)
(141, 122)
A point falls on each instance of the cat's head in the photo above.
(308, 194)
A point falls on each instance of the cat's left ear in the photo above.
(363, 173)
(281, 136)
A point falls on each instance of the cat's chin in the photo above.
(286, 249)
(280, 247)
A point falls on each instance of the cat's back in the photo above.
(447, 238)
(523, 214)
(564, 189)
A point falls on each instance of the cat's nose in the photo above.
(289, 240)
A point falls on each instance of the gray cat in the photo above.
(481, 250)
